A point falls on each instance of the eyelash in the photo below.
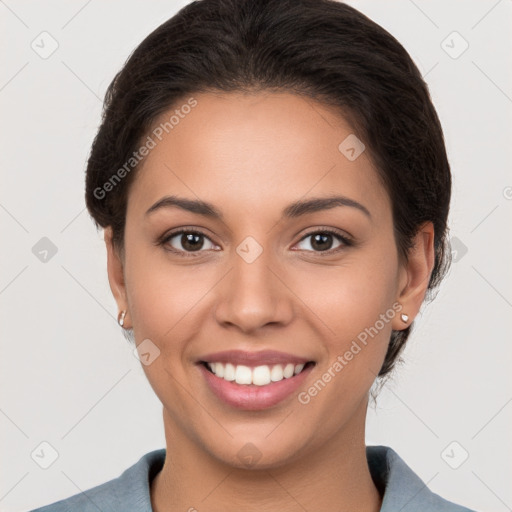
(346, 241)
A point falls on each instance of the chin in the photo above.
(257, 452)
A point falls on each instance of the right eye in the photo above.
(187, 240)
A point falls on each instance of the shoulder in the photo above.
(129, 491)
(401, 487)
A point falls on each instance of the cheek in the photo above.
(167, 307)
(164, 297)
(355, 300)
(356, 303)
(351, 296)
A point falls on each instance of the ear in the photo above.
(116, 275)
(415, 275)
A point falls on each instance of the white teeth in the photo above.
(288, 370)
(219, 370)
(277, 373)
(298, 368)
(243, 375)
(259, 376)
(229, 372)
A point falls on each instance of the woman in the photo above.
(274, 188)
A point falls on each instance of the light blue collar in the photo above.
(402, 489)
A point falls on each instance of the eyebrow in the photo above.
(293, 210)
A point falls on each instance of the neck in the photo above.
(335, 476)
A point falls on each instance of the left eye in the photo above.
(322, 241)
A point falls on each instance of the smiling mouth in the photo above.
(258, 375)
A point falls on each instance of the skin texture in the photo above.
(251, 155)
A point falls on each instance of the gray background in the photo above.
(69, 378)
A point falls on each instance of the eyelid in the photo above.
(327, 229)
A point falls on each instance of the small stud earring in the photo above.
(404, 317)
(120, 319)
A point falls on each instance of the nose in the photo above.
(253, 295)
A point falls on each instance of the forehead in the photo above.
(257, 150)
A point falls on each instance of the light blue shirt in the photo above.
(402, 489)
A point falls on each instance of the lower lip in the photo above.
(251, 397)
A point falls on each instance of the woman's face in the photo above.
(275, 283)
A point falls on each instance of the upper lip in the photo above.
(263, 357)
